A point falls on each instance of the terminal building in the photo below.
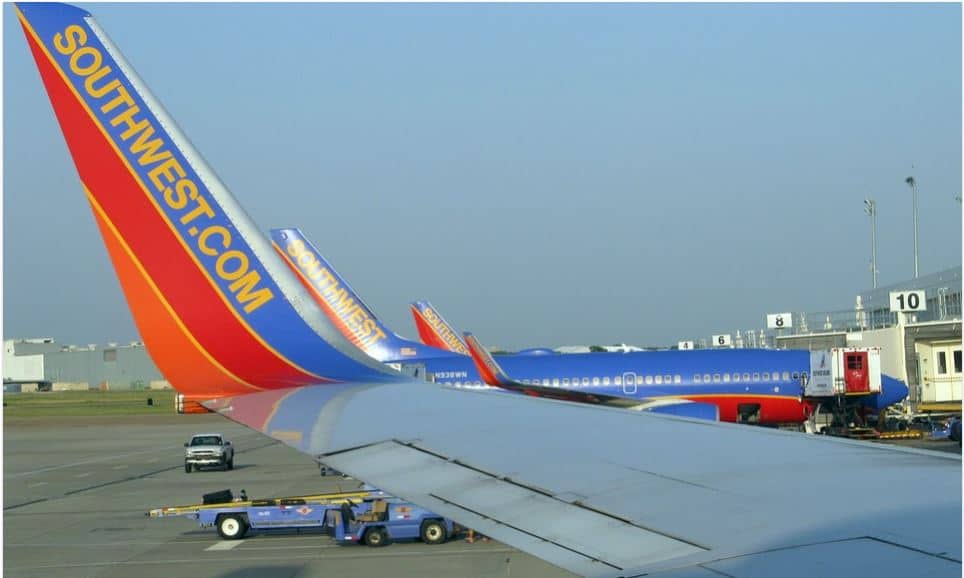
(921, 348)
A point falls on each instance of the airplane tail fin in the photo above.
(218, 310)
(434, 330)
(342, 305)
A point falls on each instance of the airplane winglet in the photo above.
(487, 366)
(493, 374)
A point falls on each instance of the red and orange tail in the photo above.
(434, 330)
(217, 309)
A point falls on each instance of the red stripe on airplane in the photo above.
(179, 278)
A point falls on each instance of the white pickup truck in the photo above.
(209, 449)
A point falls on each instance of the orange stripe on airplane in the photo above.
(186, 365)
(289, 374)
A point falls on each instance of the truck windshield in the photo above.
(206, 441)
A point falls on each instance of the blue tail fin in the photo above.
(339, 302)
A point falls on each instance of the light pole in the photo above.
(870, 207)
(912, 183)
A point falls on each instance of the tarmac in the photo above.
(76, 491)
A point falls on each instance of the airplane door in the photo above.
(629, 383)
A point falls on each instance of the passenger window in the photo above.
(736, 377)
(766, 376)
(726, 378)
(706, 377)
(697, 378)
(575, 381)
(605, 381)
(677, 379)
(796, 375)
(786, 376)
(617, 380)
(667, 379)
(756, 377)
(595, 381)
(565, 381)
(716, 378)
(746, 377)
(585, 381)
(545, 382)
(639, 380)
(555, 382)
(649, 380)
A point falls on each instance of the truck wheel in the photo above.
(376, 537)
(187, 468)
(433, 532)
(232, 527)
(231, 463)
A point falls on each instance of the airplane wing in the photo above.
(596, 490)
(607, 492)
(494, 375)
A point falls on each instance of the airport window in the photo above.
(706, 377)
(659, 379)
(605, 381)
(110, 355)
(585, 381)
(746, 377)
(677, 378)
(565, 381)
(941, 362)
(697, 378)
(756, 376)
(595, 381)
(617, 380)
(957, 361)
(716, 378)
(649, 380)
(786, 376)
(726, 378)
(736, 377)
(766, 376)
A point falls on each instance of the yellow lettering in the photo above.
(242, 292)
(296, 248)
(202, 208)
(221, 265)
(75, 34)
(210, 231)
(86, 70)
(166, 169)
(127, 118)
(183, 188)
(149, 148)
(99, 92)
(122, 98)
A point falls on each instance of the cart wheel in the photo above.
(231, 527)
(376, 537)
(433, 532)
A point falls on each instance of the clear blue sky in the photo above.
(544, 174)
